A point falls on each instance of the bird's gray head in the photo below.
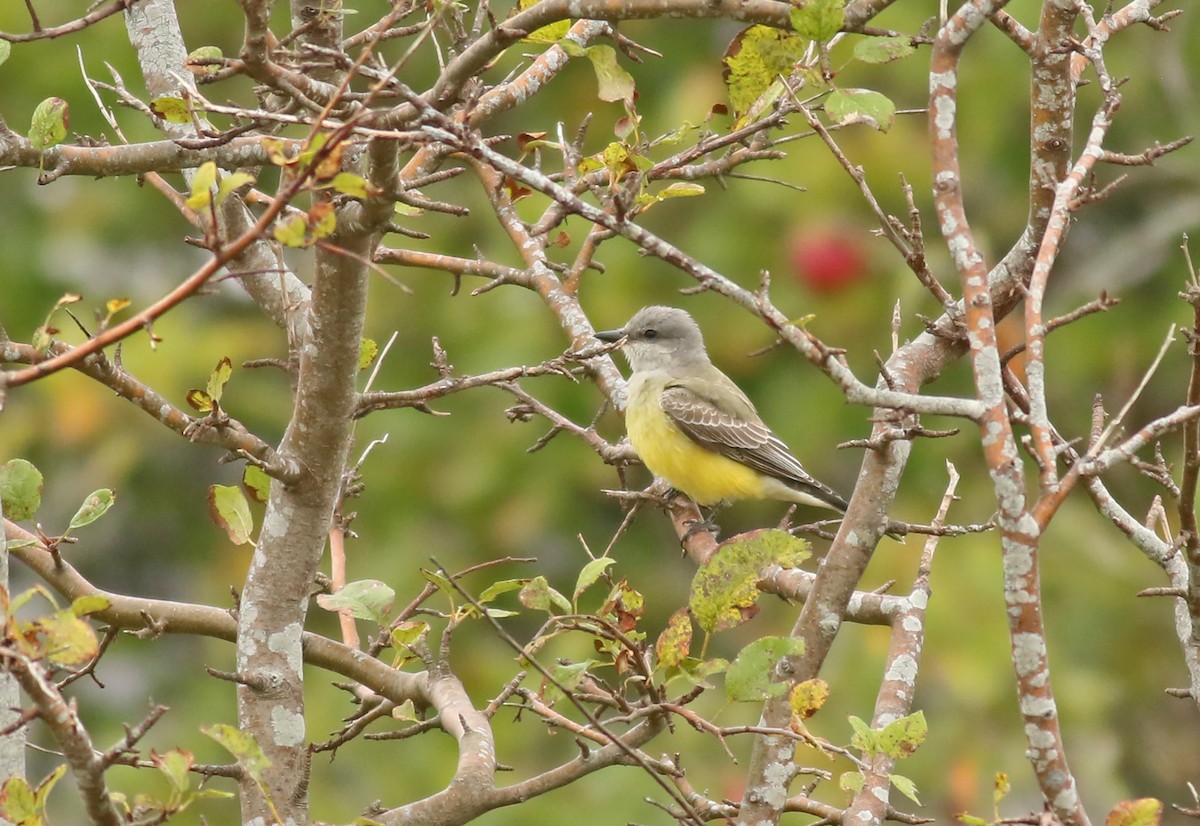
(660, 337)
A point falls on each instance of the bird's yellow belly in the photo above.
(705, 476)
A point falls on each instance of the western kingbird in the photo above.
(691, 425)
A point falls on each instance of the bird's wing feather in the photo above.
(742, 437)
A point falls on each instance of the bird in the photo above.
(691, 425)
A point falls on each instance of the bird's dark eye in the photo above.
(650, 333)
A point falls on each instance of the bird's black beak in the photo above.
(609, 336)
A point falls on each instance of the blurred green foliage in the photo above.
(461, 487)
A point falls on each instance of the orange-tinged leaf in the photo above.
(70, 641)
(257, 483)
(1145, 811)
(199, 400)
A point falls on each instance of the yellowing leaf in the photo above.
(172, 109)
(615, 83)
(367, 351)
(227, 506)
(355, 186)
(231, 182)
(218, 378)
(17, 803)
(674, 643)
(753, 60)
(322, 220)
(49, 124)
(199, 400)
(242, 746)
(1145, 811)
(70, 641)
(202, 184)
(292, 231)
(546, 34)
(115, 305)
(725, 589)
(806, 698)
(257, 483)
(175, 766)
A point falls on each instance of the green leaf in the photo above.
(367, 599)
(5, 50)
(615, 83)
(883, 49)
(367, 351)
(538, 595)
(204, 53)
(864, 738)
(49, 124)
(851, 782)
(847, 106)
(256, 483)
(20, 489)
(218, 378)
(697, 671)
(590, 573)
(751, 678)
(242, 746)
(232, 181)
(227, 506)
(502, 587)
(971, 820)
(173, 109)
(755, 57)
(902, 737)
(96, 505)
(725, 589)
(905, 786)
(673, 644)
(818, 19)
(1145, 811)
(202, 183)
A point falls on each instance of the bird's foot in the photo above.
(695, 526)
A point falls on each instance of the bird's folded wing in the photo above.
(749, 442)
